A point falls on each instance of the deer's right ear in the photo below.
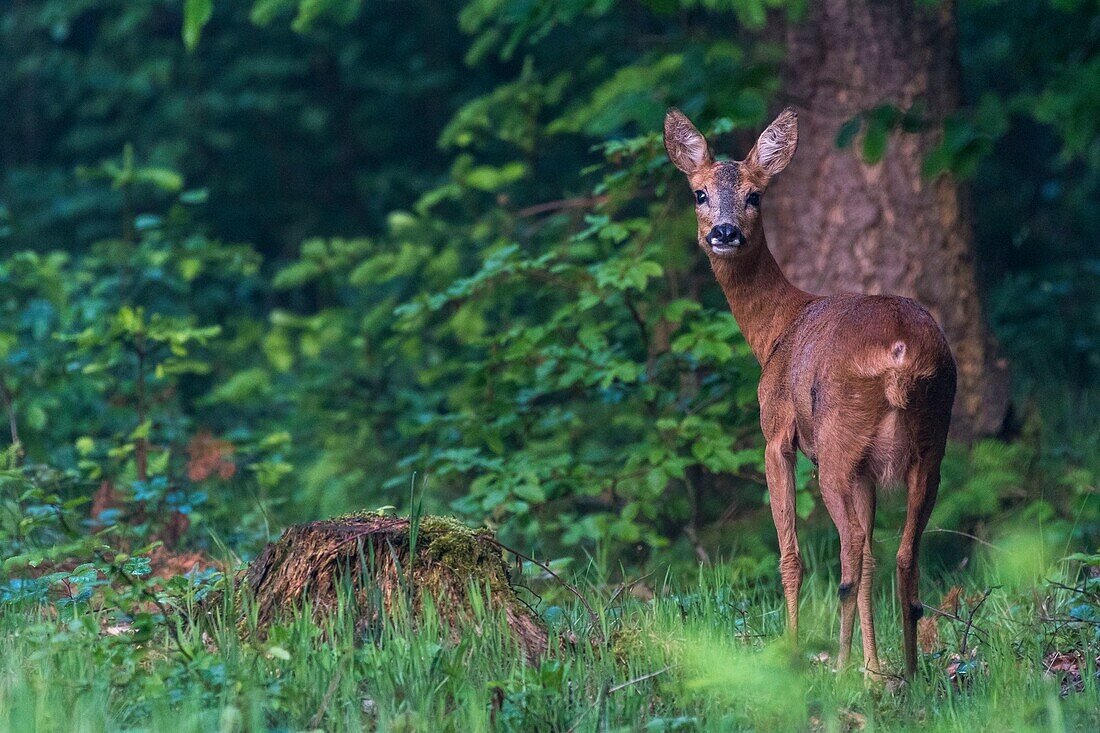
(686, 146)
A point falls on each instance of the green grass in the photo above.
(705, 654)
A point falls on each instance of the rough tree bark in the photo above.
(839, 224)
(371, 558)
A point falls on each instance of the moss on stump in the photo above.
(367, 555)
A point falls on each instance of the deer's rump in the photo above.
(872, 375)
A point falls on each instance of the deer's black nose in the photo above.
(725, 236)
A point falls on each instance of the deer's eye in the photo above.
(700, 197)
(753, 199)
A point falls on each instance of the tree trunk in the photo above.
(839, 224)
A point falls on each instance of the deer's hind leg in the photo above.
(865, 500)
(779, 461)
(840, 487)
(923, 480)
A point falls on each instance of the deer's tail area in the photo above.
(900, 368)
(899, 371)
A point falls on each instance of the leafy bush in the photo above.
(511, 320)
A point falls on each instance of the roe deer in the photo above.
(862, 384)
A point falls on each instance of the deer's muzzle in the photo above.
(725, 238)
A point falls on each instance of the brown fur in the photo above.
(862, 384)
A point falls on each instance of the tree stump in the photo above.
(367, 557)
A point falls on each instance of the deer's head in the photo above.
(728, 193)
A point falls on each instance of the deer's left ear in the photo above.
(776, 145)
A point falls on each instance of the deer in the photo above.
(863, 385)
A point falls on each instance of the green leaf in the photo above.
(275, 440)
(887, 115)
(146, 222)
(195, 196)
(493, 178)
(751, 12)
(936, 161)
(677, 309)
(1085, 558)
(248, 384)
(874, 142)
(468, 323)
(36, 417)
(296, 275)
(196, 14)
(530, 492)
(158, 462)
(278, 652)
(190, 268)
(137, 566)
(165, 179)
(848, 132)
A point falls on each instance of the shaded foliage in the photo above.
(467, 264)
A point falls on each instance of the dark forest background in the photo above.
(273, 262)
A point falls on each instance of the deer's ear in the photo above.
(776, 145)
(686, 146)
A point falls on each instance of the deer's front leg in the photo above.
(779, 459)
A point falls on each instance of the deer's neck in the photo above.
(762, 299)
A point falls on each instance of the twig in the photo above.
(143, 590)
(315, 721)
(888, 675)
(747, 633)
(152, 598)
(693, 538)
(528, 606)
(967, 535)
(141, 445)
(1071, 619)
(582, 716)
(643, 329)
(604, 693)
(1095, 597)
(17, 445)
(574, 203)
(945, 614)
(636, 680)
(593, 617)
(970, 618)
(623, 587)
(601, 701)
(953, 617)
